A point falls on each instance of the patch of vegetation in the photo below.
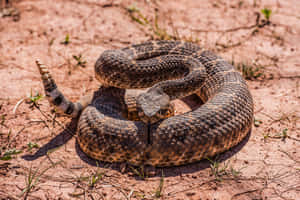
(8, 155)
(33, 99)
(266, 136)
(33, 178)
(139, 17)
(9, 11)
(157, 32)
(80, 61)
(139, 172)
(32, 145)
(257, 122)
(250, 72)
(283, 135)
(94, 178)
(158, 192)
(267, 13)
(66, 41)
(218, 170)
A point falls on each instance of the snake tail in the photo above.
(55, 96)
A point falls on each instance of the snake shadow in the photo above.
(59, 140)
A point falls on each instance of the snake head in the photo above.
(153, 106)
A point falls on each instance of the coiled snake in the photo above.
(170, 69)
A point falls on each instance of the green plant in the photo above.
(157, 31)
(80, 61)
(267, 13)
(160, 187)
(234, 172)
(31, 145)
(250, 72)
(283, 135)
(33, 178)
(33, 99)
(139, 172)
(140, 18)
(9, 154)
(66, 41)
(218, 170)
(257, 122)
(94, 178)
(266, 136)
(161, 33)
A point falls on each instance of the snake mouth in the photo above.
(153, 116)
(148, 119)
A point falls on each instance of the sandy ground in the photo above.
(39, 155)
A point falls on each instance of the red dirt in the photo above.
(266, 166)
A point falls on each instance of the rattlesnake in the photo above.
(170, 69)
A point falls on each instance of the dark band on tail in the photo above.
(55, 96)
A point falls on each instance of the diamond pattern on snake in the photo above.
(141, 129)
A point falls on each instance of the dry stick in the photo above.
(291, 157)
(277, 193)
(91, 196)
(251, 191)
(225, 30)
(225, 46)
(93, 4)
(120, 189)
(257, 24)
(59, 123)
(268, 180)
(278, 120)
(289, 77)
(200, 185)
(10, 141)
(78, 183)
(22, 129)
(259, 110)
(292, 138)
(296, 187)
(246, 192)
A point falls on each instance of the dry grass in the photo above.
(266, 167)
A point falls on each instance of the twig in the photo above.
(257, 24)
(59, 123)
(245, 192)
(17, 105)
(191, 188)
(291, 157)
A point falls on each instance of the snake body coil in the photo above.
(172, 70)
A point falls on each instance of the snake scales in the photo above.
(171, 69)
